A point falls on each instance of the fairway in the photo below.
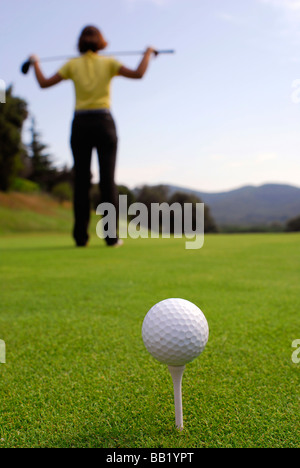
(77, 373)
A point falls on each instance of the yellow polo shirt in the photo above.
(91, 74)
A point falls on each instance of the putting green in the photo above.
(77, 373)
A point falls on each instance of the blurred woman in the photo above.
(93, 125)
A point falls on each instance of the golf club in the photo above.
(26, 65)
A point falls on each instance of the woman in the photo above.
(93, 125)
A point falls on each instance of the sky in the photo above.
(223, 112)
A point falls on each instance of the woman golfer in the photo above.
(93, 125)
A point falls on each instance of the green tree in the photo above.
(12, 116)
(43, 173)
(155, 194)
(160, 194)
(293, 225)
(123, 190)
(182, 198)
(63, 192)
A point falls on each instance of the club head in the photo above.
(25, 67)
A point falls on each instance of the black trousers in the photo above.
(89, 131)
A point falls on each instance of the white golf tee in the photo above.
(177, 373)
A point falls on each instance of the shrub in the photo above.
(63, 192)
(24, 186)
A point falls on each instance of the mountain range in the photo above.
(250, 205)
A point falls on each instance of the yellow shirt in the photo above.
(91, 74)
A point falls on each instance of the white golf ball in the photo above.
(175, 332)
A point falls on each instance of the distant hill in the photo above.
(250, 205)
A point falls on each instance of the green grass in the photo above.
(77, 373)
(26, 213)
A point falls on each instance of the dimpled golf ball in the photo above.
(175, 332)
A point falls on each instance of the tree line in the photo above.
(26, 167)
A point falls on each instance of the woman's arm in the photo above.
(42, 80)
(141, 69)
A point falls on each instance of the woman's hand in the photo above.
(42, 80)
(142, 68)
(34, 59)
(151, 50)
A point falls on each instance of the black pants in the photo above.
(89, 131)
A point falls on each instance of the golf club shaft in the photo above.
(117, 53)
(177, 373)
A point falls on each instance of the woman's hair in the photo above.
(91, 39)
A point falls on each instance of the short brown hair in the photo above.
(91, 39)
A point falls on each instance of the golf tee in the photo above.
(177, 373)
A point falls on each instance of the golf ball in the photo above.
(175, 332)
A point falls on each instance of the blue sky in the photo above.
(217, 115)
